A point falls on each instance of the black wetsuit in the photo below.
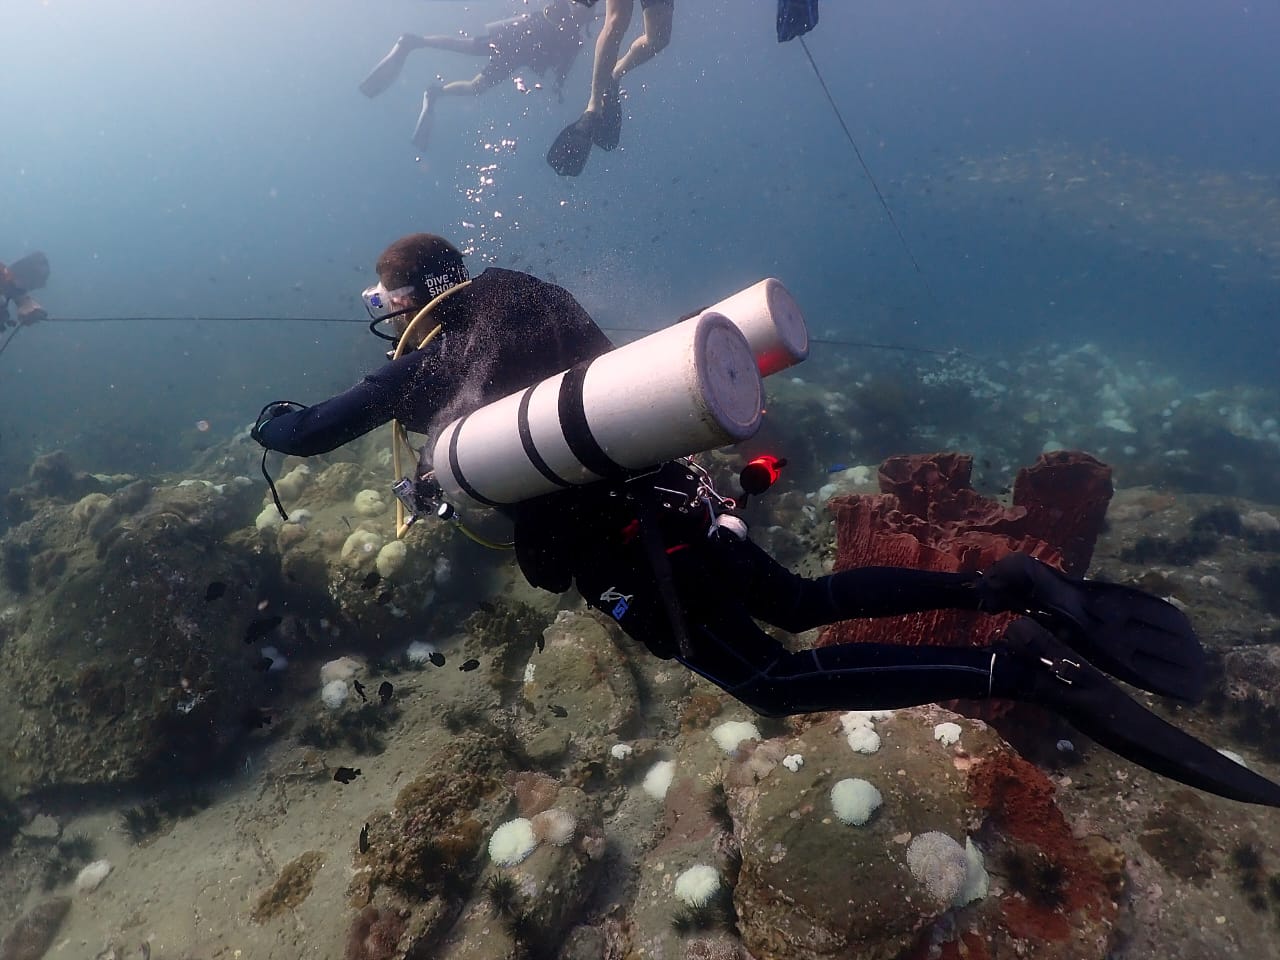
(508, 330)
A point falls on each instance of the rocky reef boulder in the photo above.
(124, 616)
(965, 854)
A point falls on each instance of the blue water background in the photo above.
(216, 159)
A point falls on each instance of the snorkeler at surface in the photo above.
(658, 551)
(544, 39)
(601, 122)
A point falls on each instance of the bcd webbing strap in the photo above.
(660, 564)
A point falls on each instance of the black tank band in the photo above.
(577, 433)
(526, 441)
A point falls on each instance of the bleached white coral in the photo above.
(369, 503)
(947, 733)
(854, 800)
(697, 885)
(658, 779)
(512, 842)
(731, 733)
(391, 558)
(953, 875)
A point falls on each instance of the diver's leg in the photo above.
(656, 36)
(785, 599)
(740, 658)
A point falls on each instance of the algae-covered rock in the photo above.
(126, 665)
(290, 888)
(33, 934)
(812, 886)
(579, 689)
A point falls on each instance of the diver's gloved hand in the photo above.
(796, 18)
(269, 413)
(1033, 666)
(29, 311)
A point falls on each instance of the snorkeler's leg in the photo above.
(656, 36)
(388, 68)
(476, 46)
(617, 17)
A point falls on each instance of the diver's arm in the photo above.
(327, 425)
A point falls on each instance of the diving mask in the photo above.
(383, 304)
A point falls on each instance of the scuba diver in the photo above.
(601, 122)
(16, 283)
(547, 38)
(669, 559)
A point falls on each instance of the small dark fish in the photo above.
(347, 522)
(371, 580)
(263, 664)
(255, 718)
(559, 711)
(837, 467)
(260, 627)
(383, 598)
(214, 590)
(436, 657)
(384, 692)
(364, 839)
(345, 774)
(360, 690)
(471, 664)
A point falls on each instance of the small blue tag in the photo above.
(619, 610)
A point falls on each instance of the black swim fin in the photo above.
(607, 130)
(568, 154)
(796, 18)
(1134, 636)
(1066, 684)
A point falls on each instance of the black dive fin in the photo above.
(1098, 708)
(1132, 635)
(568, 155)
(1140, 639)
(607, 130)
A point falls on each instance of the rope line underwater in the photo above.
(888, 212)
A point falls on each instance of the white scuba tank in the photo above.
(688, 388)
